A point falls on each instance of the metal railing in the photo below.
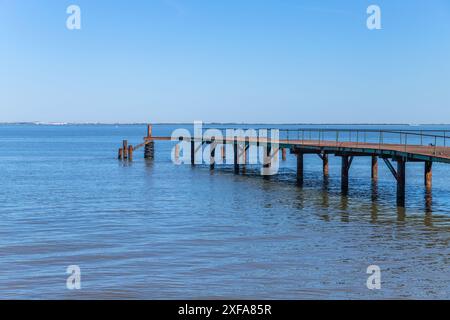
(370, 137)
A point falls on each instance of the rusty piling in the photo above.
(345, 166)
(374, 171)
(401, 182)
(130, 152)
(236, 156)
(428, 174)
(299, 168)
(125, 149)
(177, 151)
(212, 153)
(325, 165)
(223, 153)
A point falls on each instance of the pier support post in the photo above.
(325, 165)
(223, 152)
(192, 152)
(299, 168)
(401, 182)
(149, 150)
(267, 159)
(243, 157)
(267, 162)
(212, 157)
(125, 149)
(236, 156)
(119, 156)
(345, 166)
(130, 152)
(246, 154)
(428, 174)
(177, 151)
(283, 154)
(149, 130)
(374, 173)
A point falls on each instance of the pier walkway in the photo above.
(399, 146)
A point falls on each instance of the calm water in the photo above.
(150, 229)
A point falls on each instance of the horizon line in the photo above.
(37, 123)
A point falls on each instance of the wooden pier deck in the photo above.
(371, 144)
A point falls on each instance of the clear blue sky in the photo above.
(225, 60)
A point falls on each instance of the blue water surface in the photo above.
(153, 230)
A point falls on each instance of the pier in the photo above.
(389, 146)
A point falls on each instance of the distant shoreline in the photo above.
(37, 123)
